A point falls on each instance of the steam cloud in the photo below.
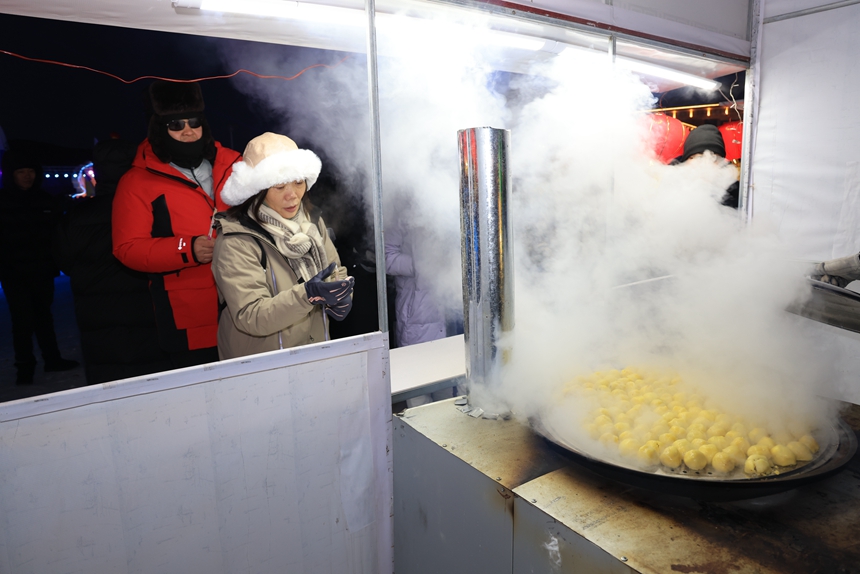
(592, 212)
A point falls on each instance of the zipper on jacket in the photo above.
(185, 181)
(275, 285)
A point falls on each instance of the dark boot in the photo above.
(60, 364)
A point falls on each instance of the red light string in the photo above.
(124, 81)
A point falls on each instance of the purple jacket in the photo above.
(418, 317)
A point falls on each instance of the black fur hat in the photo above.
(176, 100)
(172, 98)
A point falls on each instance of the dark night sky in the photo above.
(72, 108)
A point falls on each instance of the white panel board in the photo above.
(276, 463)
(805, 178)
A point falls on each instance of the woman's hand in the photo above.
(330, 293)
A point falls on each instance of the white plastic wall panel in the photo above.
(806, 163)
(271, 464)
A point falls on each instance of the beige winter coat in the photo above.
(263, 306)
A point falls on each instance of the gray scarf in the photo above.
(298, 240)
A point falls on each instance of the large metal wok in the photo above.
(838, 445)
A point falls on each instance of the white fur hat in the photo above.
(269, 159)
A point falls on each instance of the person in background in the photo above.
(112, 303)
(418, 316)
(273, 255)
(707, 139)
(162, 220)
(839, 272)
(28, 219)
(4, 145)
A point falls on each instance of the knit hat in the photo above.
(14, 160)
(703, 138)
(177, 99)
(269, 159)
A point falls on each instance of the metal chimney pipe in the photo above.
(487, 251)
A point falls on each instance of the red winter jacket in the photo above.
(157, 212)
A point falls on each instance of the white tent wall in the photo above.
(806, 176)
(805, 169)
(721, 26)
(279, 462)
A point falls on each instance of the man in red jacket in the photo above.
(162, 220)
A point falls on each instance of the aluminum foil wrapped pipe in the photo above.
(487, 251)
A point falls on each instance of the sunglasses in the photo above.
(179, 125)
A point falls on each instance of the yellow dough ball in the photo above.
(666, 439)
(735, 453)
(709, 450)
(759, 450)
(648, 454)
(603, 419)
(717, 429)
(608, 439)
(783, 456)
(740, 428)
(767, 442)
(742, 443)
(719, 441)
(757, 464)
(670, 457)
(628, 447)
(695, 459)
(697, 442)
(800, 450)
(695, 434)
(683, 445)
(711, 415)
(722, 462)
(627, 434)
(634, 411)
(756, 435)
(809, 443)
(653, 444)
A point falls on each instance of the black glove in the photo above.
(329, 293)
(340, 311)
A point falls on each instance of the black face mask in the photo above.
(185, 154)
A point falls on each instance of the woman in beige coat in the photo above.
(277, 271)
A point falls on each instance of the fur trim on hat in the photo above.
(248, 180)
(172, 98)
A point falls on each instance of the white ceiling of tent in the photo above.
(161, 15)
